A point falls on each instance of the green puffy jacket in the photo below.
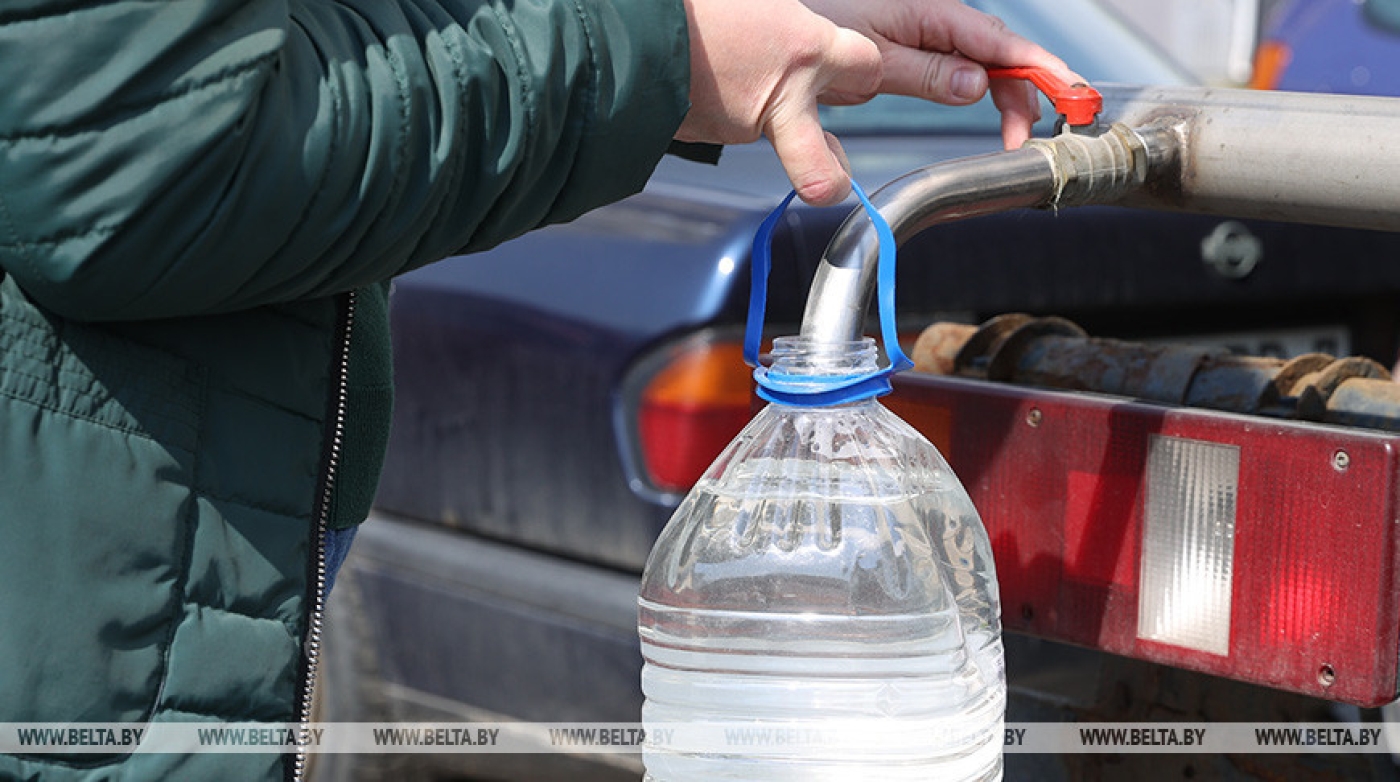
(200, 203)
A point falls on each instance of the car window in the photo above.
(1095, 42)
(1383, 15)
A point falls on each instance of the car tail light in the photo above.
(693, 399)
(1253, 548)
(689, 410)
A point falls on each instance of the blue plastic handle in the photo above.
(824, 391)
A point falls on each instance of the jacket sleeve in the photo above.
(197, 156)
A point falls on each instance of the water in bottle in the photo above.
(823, 604)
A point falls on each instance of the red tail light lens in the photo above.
(1252, 548)
(690, 410)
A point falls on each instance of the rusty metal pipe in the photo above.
(1055, 353)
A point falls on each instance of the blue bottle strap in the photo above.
(759, 266)
(822, 391)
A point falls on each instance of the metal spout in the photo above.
(1313, 158)
(1068, 170)
(845, 279)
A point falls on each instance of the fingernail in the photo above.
(967, 83)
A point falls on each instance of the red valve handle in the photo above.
(1079, 103)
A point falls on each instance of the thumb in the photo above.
(850, 64)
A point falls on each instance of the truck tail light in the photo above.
(1188, 543)
(688, 410)
(1258, 549)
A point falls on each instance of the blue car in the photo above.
(558, 395)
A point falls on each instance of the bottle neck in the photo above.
(802, 360)
(806, 357)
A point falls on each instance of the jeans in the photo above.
(337, 546)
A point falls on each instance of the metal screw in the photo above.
(1326, 676)
(1033, 417)
(1341, 460)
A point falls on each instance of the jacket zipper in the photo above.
(311, 649)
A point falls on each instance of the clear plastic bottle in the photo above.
(823, 601)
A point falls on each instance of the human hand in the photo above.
(758, 68)
(937, 50)
(762, 68)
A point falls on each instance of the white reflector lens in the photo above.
(1188, 543)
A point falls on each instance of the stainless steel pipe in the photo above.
(958, 189)
(1314, 158)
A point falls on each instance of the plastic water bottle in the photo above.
(824, 603)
